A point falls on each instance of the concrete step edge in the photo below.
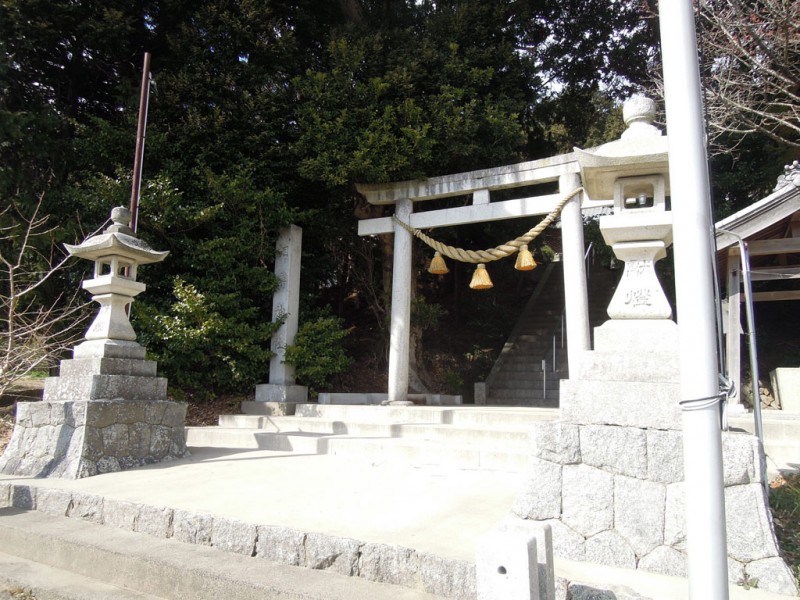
(178, 570)
(49, 583)
(334, 427)
(325, 444)
(477, 415)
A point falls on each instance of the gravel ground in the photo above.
(15, 593)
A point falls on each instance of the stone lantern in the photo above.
(107, 410)
(116, 254)
(634, 171)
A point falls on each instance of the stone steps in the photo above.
(527, 394)
(415, 431)
(375, 451)
(508, 418)
(462, 438)
(70, 559)
(531, 341)
(781, 438)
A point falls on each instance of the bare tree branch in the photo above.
(34, 332)
(750, 52)
(750, 65)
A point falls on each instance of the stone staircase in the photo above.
(534, 359)
(781, 438)
(461, 437)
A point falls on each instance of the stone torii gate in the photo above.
(480, 184)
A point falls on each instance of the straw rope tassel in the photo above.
(492, 254)
(438, 266)
(481, 279)
(525, 260)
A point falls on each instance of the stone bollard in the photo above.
(515, 562)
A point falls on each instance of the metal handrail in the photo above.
(744, 257)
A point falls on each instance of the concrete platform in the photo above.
(781, 438)
(419, 524)
(441, 511)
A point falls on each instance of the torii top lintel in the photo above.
(478, 183)
(498, 178)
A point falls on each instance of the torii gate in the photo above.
(564, 168)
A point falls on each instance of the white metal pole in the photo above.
(699, 375)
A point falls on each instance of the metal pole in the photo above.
(136, 185)
(544, 379)
(699, 374)
(751, 339)
(744, 257)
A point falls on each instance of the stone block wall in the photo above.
(613, 495)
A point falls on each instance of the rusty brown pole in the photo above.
(136, 184)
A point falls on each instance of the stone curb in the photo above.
(383, 563)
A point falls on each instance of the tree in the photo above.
(265, 113)
(34, 331)
(750, 52)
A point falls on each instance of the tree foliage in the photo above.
(266, 113)
(317, 353)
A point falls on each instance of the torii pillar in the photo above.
(400, 327)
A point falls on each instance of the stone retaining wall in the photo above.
(613, 495)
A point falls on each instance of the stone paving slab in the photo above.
(436, 510)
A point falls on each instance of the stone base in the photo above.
(608, 478)
(630, 379)
(81, 439)
(614, 496)
(110, 378)
(275, 392)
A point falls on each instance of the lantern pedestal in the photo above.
(640, 240)
(85, 438)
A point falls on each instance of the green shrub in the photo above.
(784, 499)
(200, 348)
(317, 353)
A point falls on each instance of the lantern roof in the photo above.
(118, 240)
(641, 150)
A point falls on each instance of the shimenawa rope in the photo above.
(498, 252)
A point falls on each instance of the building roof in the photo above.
(771, 228)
